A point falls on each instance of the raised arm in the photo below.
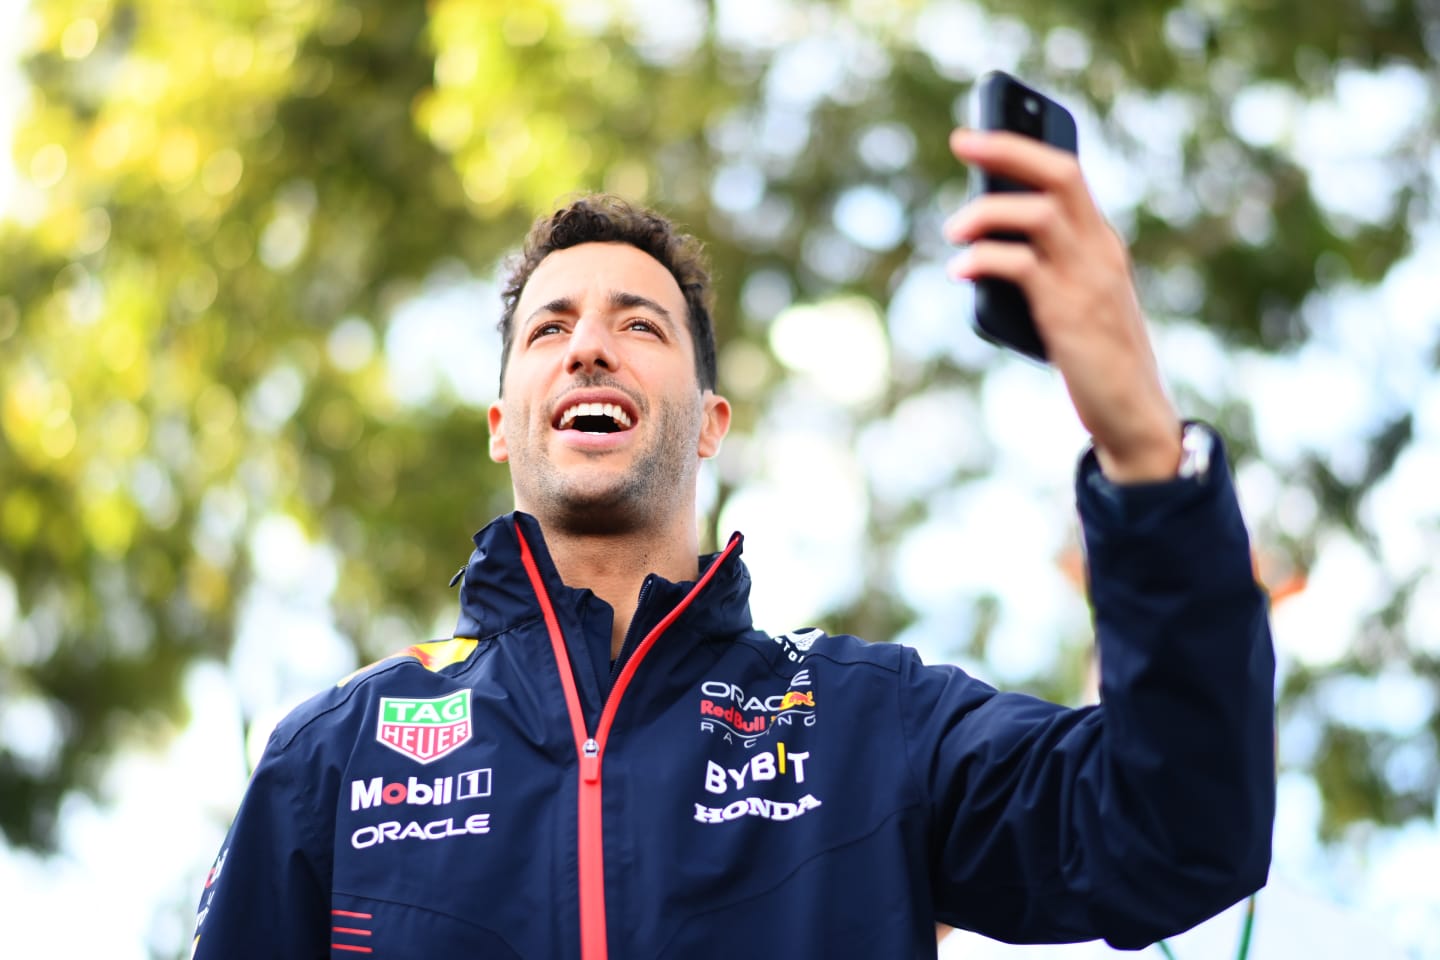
(1143, 816)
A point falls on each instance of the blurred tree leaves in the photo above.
(234, 200)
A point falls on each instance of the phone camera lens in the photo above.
(1032, 106)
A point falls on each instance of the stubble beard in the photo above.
(659, 481)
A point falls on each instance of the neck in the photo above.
(614, 566)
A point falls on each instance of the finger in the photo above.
(998, 259)
(1029, 161)
(1035, 215)
(1012, 154)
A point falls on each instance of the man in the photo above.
(608, 760)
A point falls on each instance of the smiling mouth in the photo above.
(594, 418)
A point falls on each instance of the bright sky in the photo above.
(147, 846)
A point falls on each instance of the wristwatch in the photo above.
(1197, 443)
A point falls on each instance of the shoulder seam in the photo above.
(366, 674)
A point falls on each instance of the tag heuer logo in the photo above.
(425, 730)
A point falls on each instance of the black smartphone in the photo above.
(1002, 314)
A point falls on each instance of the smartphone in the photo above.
(1002, 314)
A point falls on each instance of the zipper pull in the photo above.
(590, 761)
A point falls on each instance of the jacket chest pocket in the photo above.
(470, 855)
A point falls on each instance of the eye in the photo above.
(543, 330)
(643, 325)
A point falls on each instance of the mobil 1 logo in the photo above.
(437, 792)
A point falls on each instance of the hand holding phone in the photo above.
(1002, 314)
(1075, 271)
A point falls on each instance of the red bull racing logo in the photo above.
(732, 718)
(797, 698)
(424, 730)
(726, 709)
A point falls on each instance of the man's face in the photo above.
(603, 421)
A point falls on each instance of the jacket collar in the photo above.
(496, 594)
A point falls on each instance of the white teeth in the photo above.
(595, 410)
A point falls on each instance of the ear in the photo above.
(715, 425)
(499, 452)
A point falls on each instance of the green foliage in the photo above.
(229, 188)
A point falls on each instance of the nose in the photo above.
(591, 347)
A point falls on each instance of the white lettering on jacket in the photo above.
(393, 830)
(762, 766)
(756, 807)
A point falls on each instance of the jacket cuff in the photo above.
(1103, 501)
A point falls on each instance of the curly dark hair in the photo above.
(603, 218)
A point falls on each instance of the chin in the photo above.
(598, 517)
(597, 508)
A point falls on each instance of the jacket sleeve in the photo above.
(268, 894)
(1140, 817)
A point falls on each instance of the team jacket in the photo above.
(723, 793)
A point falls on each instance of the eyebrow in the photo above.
(619, 300)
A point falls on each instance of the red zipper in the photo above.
(590, 751)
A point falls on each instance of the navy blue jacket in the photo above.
(724, 793)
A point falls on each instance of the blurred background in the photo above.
(248, 265)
